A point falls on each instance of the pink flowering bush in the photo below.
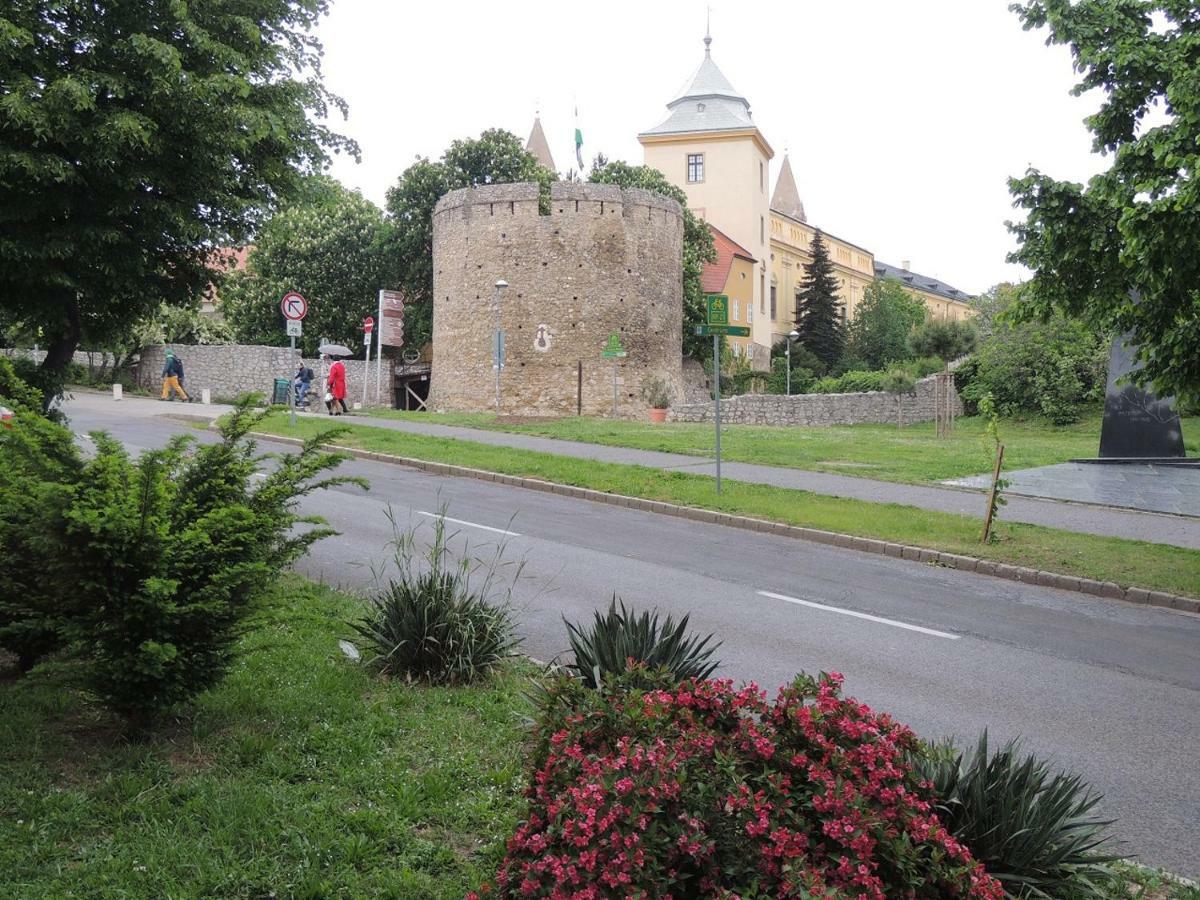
(698, 789)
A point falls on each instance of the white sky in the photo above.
(903, 119)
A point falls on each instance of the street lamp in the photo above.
(791, 338)
(498, 340)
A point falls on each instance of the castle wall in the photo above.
(604, 260)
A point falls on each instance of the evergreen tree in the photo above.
(817, 316)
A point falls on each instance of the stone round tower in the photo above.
(601, 260)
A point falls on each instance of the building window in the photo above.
(774, 315)
(762, 230)
(695, 168)
(737, 310)
(761, 178)
(749, 311)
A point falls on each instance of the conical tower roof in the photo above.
(539, 146)
(786, 198)
(707, 102)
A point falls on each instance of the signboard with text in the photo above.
(391, 319)
(613, 349)
(718, 309)
(730, 330)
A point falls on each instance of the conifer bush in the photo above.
(661, 789)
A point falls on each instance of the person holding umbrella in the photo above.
(335, 386)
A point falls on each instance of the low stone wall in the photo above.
(228, 370)
(818, 409)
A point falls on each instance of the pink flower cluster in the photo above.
(701, 789)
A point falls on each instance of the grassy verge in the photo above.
(914, 454)
(1153, 566)
(300, 775)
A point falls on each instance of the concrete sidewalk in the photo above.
(1089, 519)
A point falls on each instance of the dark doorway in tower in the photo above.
(412, 386)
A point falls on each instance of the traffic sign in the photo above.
(294, 328)
(731, 330)
(613, 349)
(294, 306)
(718, 309)
(368, 324)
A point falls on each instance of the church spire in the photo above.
(539, 146)
(786, 198)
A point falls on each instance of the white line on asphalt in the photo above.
(858, 615)
(421, 512)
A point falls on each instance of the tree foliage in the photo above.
(495, 157)
(137, 136)
(947, 341)
(878, 334)
(697, 243)
(335, 248)
(1133, 227)
(817, 316)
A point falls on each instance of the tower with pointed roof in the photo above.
(710, 146)
(539, 146)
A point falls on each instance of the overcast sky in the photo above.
(903, 119)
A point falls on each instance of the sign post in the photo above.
(718, 324)
(294, 308)
(368, 328)
(614, 351)
(391, 331)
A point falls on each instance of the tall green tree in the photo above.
(335, 248)
(697, 242)
(878, 333)
(1134, 227)
(495, 157)
(817, 316)
(136, 135)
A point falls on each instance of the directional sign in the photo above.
(718, 309)
(391, 319)
(294, 328)
(294, 306)
(731, 330)
(613, 349)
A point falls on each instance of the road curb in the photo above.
(1107, 589)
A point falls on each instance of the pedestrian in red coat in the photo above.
(336, 388)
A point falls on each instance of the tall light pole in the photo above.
(498, 340)
(791, 338)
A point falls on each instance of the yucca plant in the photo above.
(619, 637)
(444, 619)
(1033, 829)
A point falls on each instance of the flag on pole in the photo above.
(578, 142)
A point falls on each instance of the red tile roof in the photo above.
(715, 274)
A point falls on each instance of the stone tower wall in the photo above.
(604, 260)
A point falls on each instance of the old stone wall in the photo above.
(604, 260)
(228, 370)
(819, 409)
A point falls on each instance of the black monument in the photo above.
(1138, 426)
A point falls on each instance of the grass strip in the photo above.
(300, 775)
(914, 454)
(1155, 566)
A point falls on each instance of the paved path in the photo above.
(1105, 688)
(1102, 520)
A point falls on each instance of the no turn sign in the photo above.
(294, 306)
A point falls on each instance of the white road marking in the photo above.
(859, 615)
(421, 512)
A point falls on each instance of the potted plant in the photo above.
(657, 393)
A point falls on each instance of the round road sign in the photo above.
(294, 306)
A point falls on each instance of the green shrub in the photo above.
(448, 621)
(849, 383)
(153, 567)
(657, 392)
(620, 638)
(877, 335)
(1031, 828)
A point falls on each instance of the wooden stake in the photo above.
(991, 505)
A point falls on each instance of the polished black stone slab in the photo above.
(1137, 424)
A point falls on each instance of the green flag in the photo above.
(578, 142)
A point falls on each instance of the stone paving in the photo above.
(1152, 488)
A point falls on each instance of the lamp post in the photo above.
(498, 340)
(791, 338)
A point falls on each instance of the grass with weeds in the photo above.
(1155, 566)
(913, 454)
(300, 775)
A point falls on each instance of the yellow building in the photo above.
(710, 147)
(732, 273)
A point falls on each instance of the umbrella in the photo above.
(335, 350)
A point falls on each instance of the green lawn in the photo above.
(1126, 562)
(299, 776)
(913, 454)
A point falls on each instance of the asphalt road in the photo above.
(1105, 688)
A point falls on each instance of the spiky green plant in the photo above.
(1034, 829)
(444, 618)
(619, 637)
